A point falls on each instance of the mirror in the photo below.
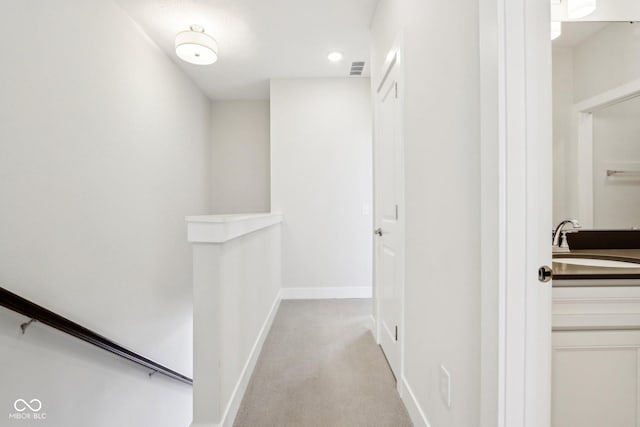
(596, 124)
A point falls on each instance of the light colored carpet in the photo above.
(320, 366)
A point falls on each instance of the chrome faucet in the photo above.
(557, 235)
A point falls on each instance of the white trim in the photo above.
(326, 292)
(231, 410)
(240, 388)
(390, 61)
(596, 307)
(516, 216)
(595, 283)
(536, 218)
(492, 211)
(416, 413)
(371, 325)
(584, 157)
(222, 228)
(609, 97)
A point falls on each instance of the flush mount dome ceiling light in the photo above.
(577, 9)
(196, 47)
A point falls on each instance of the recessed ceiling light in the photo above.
(196, 47)
(335, 56)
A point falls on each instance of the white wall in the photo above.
(251, 283)
(104, 148)
(616, 199)
(565, 203)
(240, 156)
(236, 295)
(605, 60)
(442, 287)
(321, 180)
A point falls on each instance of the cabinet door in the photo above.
(596, 379)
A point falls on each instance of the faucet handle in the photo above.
(558, 233)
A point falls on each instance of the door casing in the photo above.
(515, 85)
(516, 197)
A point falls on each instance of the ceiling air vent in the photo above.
(356, 68)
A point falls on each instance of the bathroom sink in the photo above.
(592, 262)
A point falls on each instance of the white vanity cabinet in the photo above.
(596, 356)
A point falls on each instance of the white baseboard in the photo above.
(231, 410)
(327, 293)
(372, 325)
(413, 407)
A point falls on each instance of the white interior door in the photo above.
(525, 206)
(516, 197)
(388, 194)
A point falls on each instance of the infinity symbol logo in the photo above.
(21, 405)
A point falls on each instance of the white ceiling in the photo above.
(261, 39)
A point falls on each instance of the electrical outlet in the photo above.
(445, 386)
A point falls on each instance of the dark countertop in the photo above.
(582, 272)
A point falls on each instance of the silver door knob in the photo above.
(545, 273)
(378, 231)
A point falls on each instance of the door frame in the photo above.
(515, 104)
(516, 197)
(393, 58)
